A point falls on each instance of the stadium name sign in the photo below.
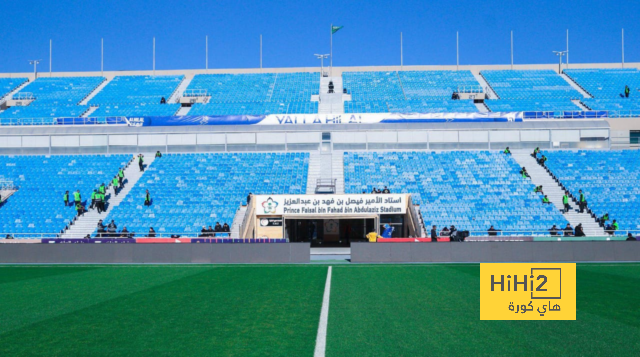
(331, 204)
(320, 119)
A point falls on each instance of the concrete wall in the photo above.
(155, 253)
(488, 252)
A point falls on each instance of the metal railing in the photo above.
(7, 185)
(23, 96)
(63, 121)
(195, 93)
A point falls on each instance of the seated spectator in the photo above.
(204, 232)
(210, 232)
(152, 233)
(88, 236)
(579, 231)
(492, 231)
(111, 229)
(9, 236)
(226, 228)
(374, 190)
(445, 232)
(386, 190)
(568, 230)
(630, 237)
(100, 225)
(163, 100)
(554, 230)
(158, 154)
(218, 227)
(124, 233)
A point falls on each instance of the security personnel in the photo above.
(545, 199)
(121, 176)
(76, 197)
(615, 225)
(79, 209)
(93, 198)
(565, 201)
(102, 189)
(158, 154)
(582, 202)
(507, 151)
(626, 91)
(115, 183)
(66, 198)
(147, 199)
(538, 189)
(141, 162)
(100, 202)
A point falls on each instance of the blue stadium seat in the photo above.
(134, 90)
(469, 189)
(530, 84)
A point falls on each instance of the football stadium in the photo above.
(353, 208)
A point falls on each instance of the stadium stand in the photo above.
(469, 189)
(60, 91)
(112, 110)
(623, 108)
(134, 90)
(193, 190)
(409, 91)
(37, 206)
(609, 179)
(7, 85)
(39, 114)
(607, 83)
(522, 105)
(529, 84)
(255, 94)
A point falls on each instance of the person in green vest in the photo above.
(115, 182)
(603, 220)
(545, 199)
(535, 153)
(76, 197)
(524, 173)
(626, 91)
(102, 189)
(147, 199)
(79, 209)
(141, 162)
(121, 176)
(93, 199)
(100, 202)
(565, 201)
(542, 160)
(615, 225)
(66, 198)
(538, 189)
(507, 151)
(158, 154)
(582, 202)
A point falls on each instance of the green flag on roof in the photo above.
(335, 29)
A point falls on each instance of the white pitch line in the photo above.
(321, 339)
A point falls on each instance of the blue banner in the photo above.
(196, 120)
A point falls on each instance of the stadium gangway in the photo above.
(63, 121)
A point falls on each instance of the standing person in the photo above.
(115, 182)
(99, 202)
(121, 176)
(76, 197)
(66, 198)
(102, 189)
(93, 199)
(615, 225)
(507, 151)
(535, 152)
(147, 199)
(626, 91)
(434, 234)
(582, 202)
(249, 198)
(141, 162)
(565, 201)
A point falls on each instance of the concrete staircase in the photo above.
(337, 170)
(97, 90)
(579, 104)
(89, 112)
(485, 85)
(540, 176)
(5, 194)
(331, 103)
(314, 172)
(482, 108)
(87, 223)
(183, 111)
(237, 221)
(575, 86)
(175, 97)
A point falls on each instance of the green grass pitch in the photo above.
(274, 310)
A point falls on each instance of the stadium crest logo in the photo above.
(269, 206)
(527, 291)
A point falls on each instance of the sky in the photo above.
(295, 30)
